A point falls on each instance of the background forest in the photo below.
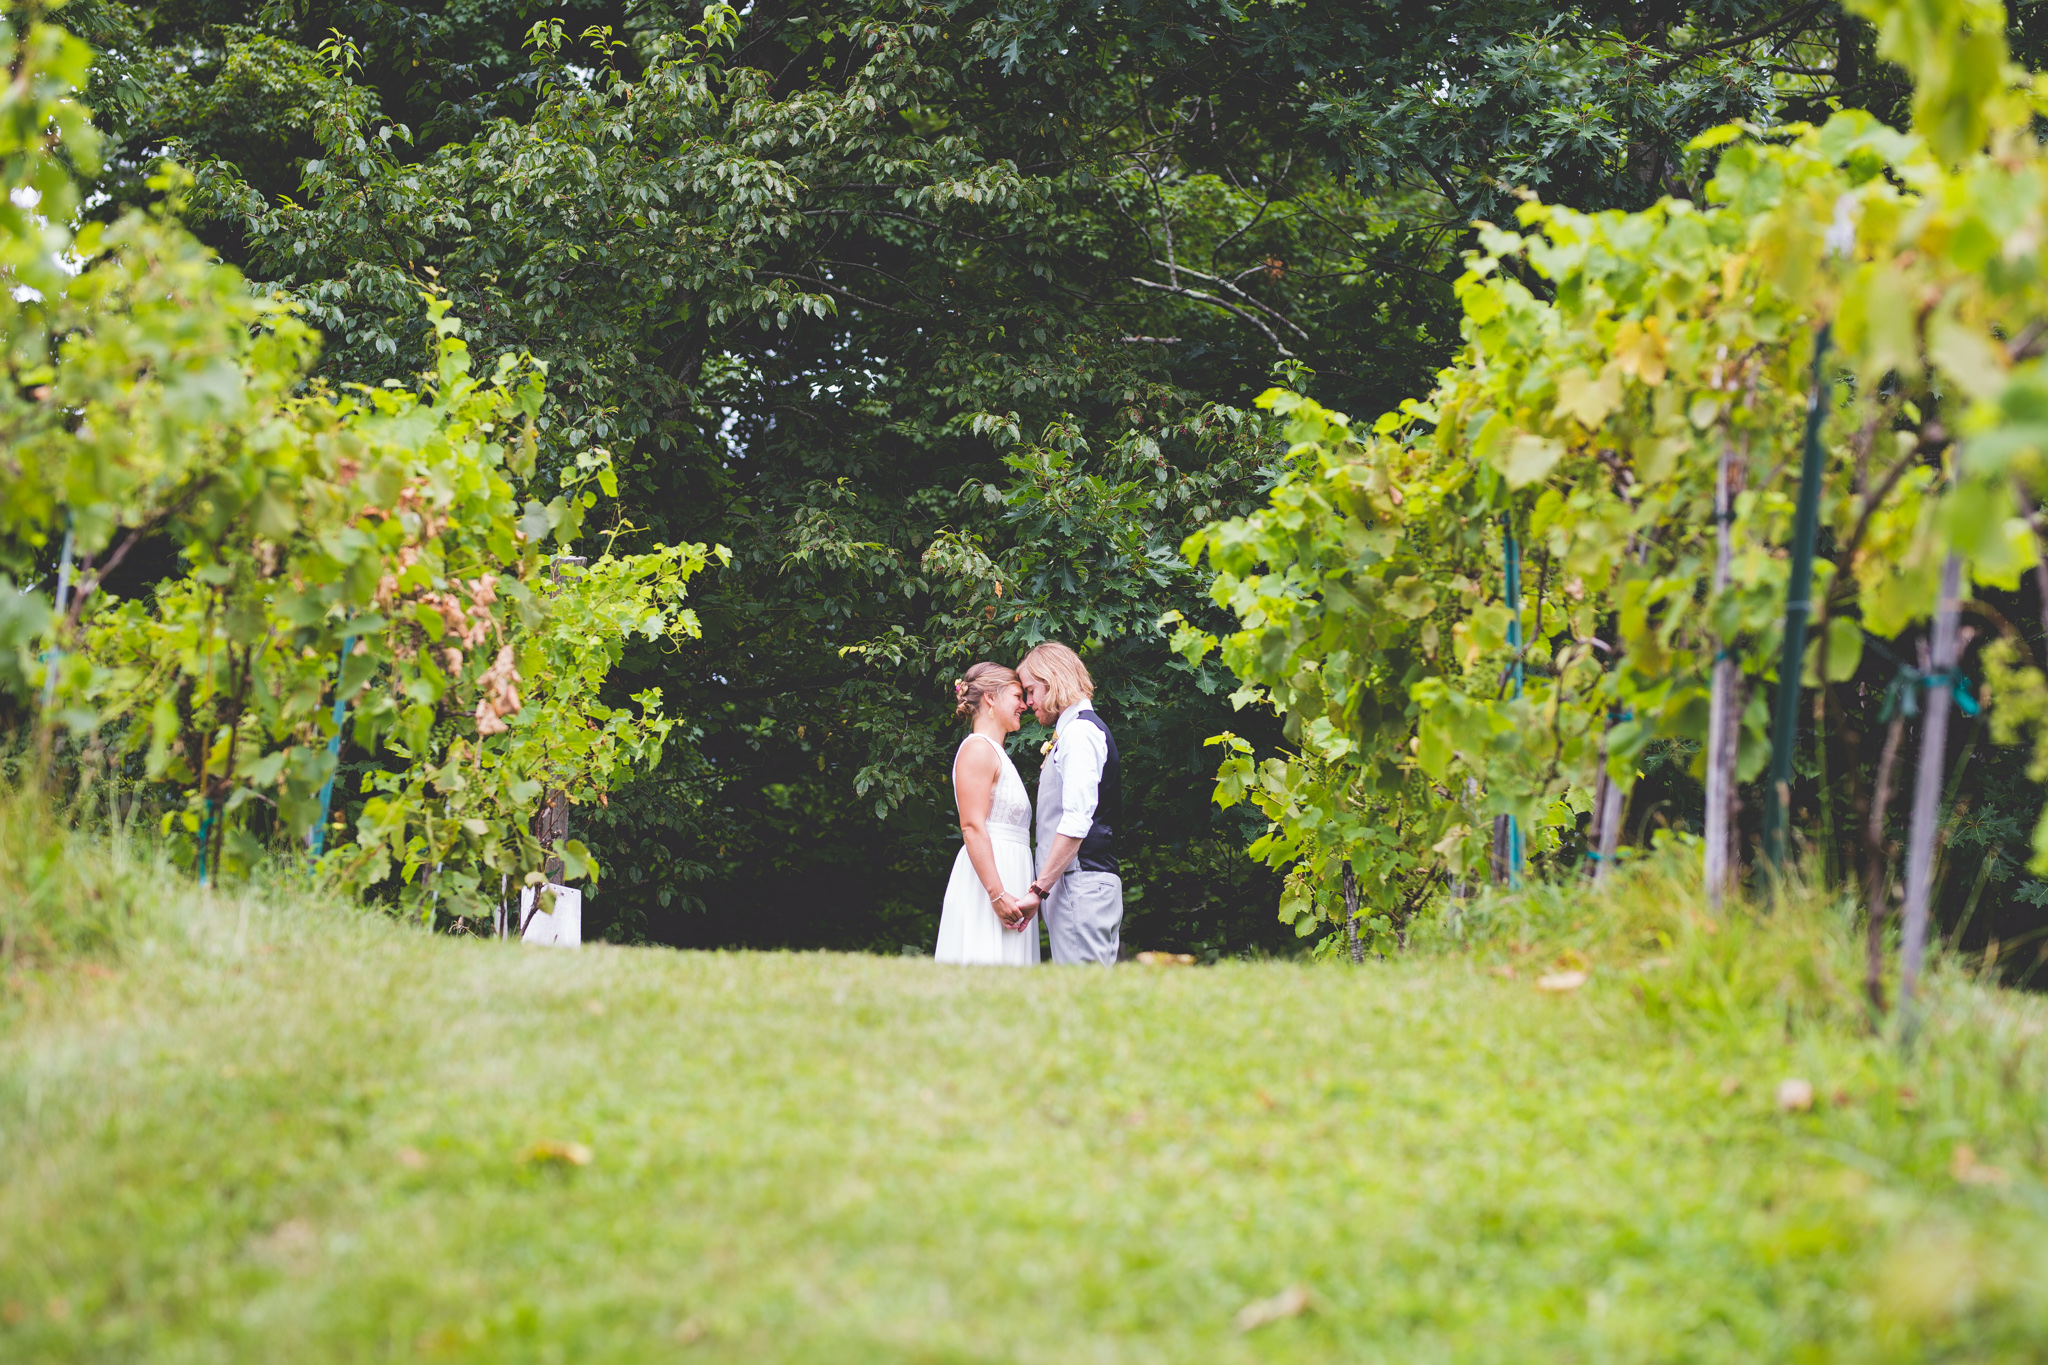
(946, 321)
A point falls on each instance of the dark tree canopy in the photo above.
(946, 318)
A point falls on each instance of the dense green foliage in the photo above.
(946, 319)
(1588, 423)
(370, 548)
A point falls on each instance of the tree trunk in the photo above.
(1351, 912)
(1614, 804)
(1724, 716)
(53, 657)
(551, 827)
(1877, 863)
(1594, 830)
(1940, 671)
(1604, 832)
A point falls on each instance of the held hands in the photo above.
(1015, 913)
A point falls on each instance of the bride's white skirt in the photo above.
(968, 928)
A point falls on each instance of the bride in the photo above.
(989, 915)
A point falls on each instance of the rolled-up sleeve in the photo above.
(1080, 776)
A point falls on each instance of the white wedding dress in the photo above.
(969, 930)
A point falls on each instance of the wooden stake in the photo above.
(1610, 830)
(1877, 863)
(1724, 715)
(1351, 912)
(1939, 681)
(1798, 608)
(551, 824)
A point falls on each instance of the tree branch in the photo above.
(1224, 304)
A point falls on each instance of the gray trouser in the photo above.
(1084, 917)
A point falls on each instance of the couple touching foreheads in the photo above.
(998, 889)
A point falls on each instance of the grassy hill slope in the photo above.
(242, 1131)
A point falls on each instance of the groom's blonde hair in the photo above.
(1061, 670)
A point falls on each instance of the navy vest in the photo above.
(1098, 850)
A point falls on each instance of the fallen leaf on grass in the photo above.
(566, 1153)
(1729, 1085)
(412, 1158)
(1290, 1302)
(1562, 981)
(1969, 1171)
(690, 1331)
(1504, 972)
(1795, 1096)
(293, 1244)
(1167, 959)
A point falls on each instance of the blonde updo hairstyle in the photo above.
(978, 683)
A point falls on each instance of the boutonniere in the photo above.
(1046, 747)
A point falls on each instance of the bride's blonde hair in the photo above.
(981, 681)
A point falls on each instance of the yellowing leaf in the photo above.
(1966, 356)
(1531, 458)
(561, 1153)
(1968, 1170)
(1876, 323)
(1290, 1302)
(1639, 351)
(1587, 398)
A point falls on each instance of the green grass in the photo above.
(254, 1130)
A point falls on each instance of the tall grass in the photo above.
(65, 889)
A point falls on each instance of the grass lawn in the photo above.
(287, 1134)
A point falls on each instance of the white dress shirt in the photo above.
(1084, 753)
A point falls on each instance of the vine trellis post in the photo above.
(316, 837)
(1798, 609)
(1507, 831)
(1351, 912)
(1724, 716)
(51, 658)
(1940, 680)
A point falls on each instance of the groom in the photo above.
(1080, 804)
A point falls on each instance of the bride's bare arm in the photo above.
(975, 772)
